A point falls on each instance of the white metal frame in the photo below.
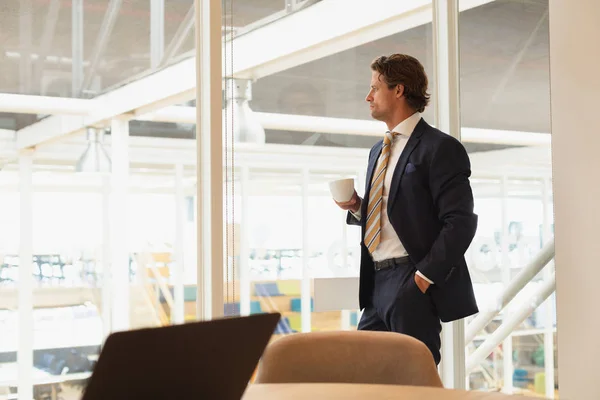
(447, 117)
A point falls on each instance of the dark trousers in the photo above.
(399, 306)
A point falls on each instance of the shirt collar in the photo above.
(406, 127)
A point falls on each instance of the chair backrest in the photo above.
(348, 357)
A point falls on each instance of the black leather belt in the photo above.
(390, 262)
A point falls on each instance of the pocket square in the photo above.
(409, 168)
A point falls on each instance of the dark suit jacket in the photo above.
(430, 206)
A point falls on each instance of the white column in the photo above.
(76, 46)
(245, 284)
(345, 314)
(507, 347)
(447, 112)
(178, 311)
(548, 315)
(25, 42)
(209, 139)
(25, 296)
(119, 224)
(106, 258)
(574, 84)
(157, 31)
(305, 295)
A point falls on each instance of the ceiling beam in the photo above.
(30, 104)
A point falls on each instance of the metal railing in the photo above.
(515, 286)
(513, 320)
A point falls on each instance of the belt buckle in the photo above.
(384, 264)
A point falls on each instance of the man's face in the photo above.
(381, 99)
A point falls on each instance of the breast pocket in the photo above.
(413, 176)
(414, 187)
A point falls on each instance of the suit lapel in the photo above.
(411, 145)
(371, 169)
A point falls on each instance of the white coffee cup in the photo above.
(342, 189)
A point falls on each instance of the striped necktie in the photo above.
(373, 227)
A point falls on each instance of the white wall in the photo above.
(575, 88)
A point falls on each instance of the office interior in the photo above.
(163, 162)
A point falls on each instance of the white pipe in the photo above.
(27, 104)
(349, 126)
(525, 275)
(511, 323)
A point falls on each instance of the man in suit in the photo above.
(416, 216)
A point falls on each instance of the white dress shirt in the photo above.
(390, 245)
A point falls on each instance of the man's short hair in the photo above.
(405, 70)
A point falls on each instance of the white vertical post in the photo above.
(548, 315)
(305, 294)
(25, 42)
(345, 316)
(245, 284)
(447, 112)
(157, 32)
(25, 296)
(209, 141)
(106, 257)
(119, 230)
(178, 311)
(76, 46)
(507, 347)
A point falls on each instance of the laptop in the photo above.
(201, 360)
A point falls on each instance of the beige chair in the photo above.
(348, 357)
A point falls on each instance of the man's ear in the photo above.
(399, 91)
